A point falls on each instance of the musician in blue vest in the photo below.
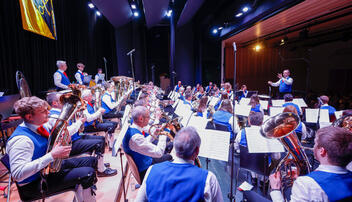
(138, 143)
(181, 180)
(284, 83)
(80, 143)
(27, 154)
(254, 102)
(178, 86)
(80, 74)
(209, 88)
(331, 181)
(92, 124)
(224, 117)
(99, 77)
(325, 105)
(188, 99)
(288, 102)
(109, 103)
(61, 79)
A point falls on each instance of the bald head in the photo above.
(324, 99)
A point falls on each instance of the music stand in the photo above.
(250, 93)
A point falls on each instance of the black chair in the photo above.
(252, 196)
(6, 161)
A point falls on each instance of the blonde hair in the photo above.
(28, 105)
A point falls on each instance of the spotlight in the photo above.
(257, 48)
(133, 6)
(245, 9)
(169, 13)
(135, 13)
(215, 31)
(98, 13)
(283, 41)
(91, 5)
(239, 14)
(220, 28)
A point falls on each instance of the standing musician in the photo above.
(99, 77)
(109, 103)
(331, 181)
(92, 124)
(284, 83)
(27, 152)
(180, 180)
(209, 88)
(80, 143)
(138, 143)
(244, 92)
(79, 74)
(61, 79)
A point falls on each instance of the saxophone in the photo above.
(59, 134)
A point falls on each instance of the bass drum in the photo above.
(22, 85)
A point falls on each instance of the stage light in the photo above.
(215, 31)
(133, 6)
(283, 41)
(239, 14)
(220, 28)
(135, 13)
(245, 9)
(98, 13)
(91, 5)
(257, 48)
(169, 13)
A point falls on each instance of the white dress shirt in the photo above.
(107, 100)
(288, 81)
(97, 77)
(212, 190)
(91, 117)
(20, 150)
(307, 189)
(57, 80)
(144, 145)
(78, 77)
(72, 129)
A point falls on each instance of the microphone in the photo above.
(132, 51)
(174, 73)
(234, 46)
(320, 102)
(104, 59)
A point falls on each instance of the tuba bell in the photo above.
(22, 85)
(282, 127)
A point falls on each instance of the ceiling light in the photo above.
(91, 5)
(239, 14)
(133, 6)
(169, 13)
(136, 14)
(245, 9)
(215, 31)
(257, 48)
(98, 13)
(220, 28)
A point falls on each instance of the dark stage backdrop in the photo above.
(81, 37)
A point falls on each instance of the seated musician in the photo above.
(92, 124)
(178, 86)
(181, 180)
(244, 92)
(301, 129)
(138, 143)
(255, 120)
(61, 79)
(79, 76)
(99, 77)
(188, 99)
(288, 102)
(202, 108)
(325, 105)
(27, 152)
(224, 117)
(110, 104)
(224, 96)
(228, 89)
(331, 181)
(80, 143)
(196, 89)
(254, 102)
(209, 88)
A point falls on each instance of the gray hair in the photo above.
(186, 141)
(256, 118)
(51, 97)
(138, 111)
(59, 63)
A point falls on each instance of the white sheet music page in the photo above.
(245, 101)
(264, 104)
(300, 102)
(258, 144)
(126, 113)
(324, 116)
(278, 103)
(186, 115)
(198, 122)
(242, 110)
(312, 115)
(175, 103)
(338, 114)
(180, 108)
(276, 110)
(121, 135)
(214, 101)
(215, 144)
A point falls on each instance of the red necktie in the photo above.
(143, 133)
(65, 74)
(43, 132)
(90, 104)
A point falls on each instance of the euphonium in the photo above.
(59, 134)
(282, 127)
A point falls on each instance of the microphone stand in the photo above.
(132, 69)
(319, 106)
(106, 69)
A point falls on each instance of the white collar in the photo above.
(134, 125)
(80, 71)
(325, 105)
(332, 169)
(56, 109)
(30, 126)
(61, 70)
(180, 160)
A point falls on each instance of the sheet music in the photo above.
(300, 102)
(120, 137)
(215, 144)
(276, 110)
(169, 95)
(264, 104)
(312, 115)
(278, 103)
(186, 114)
(179, 108)
(126, 113)
(242, 110)
(259, 144)
(245, 101)
(175, 103)
(338, 114)
(198, 122)
(214, 101)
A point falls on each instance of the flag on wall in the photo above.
(38, 17)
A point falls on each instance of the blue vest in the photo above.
(176, 182)
(244, 94)
(223, 118)
(64, 79)
(299, 128)
(142, 161)
(201, 114)
(90, 111)
(216, 107)
(336, 186)
(243, 141)
(40, 147)
(82, 77)
(331, 109)
(256, 108)
(177, 88)
(284, 88)
(75, 136)
(292, 104)
(105, 106)
(182, 98)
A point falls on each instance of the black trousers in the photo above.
(106, 126)
(73, 172)
(88, 143)
(281, 94)
(113, 114)
(165, 157)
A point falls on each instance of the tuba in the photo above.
(59, 134)
(282, 127)
(22, 85)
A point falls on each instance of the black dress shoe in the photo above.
(107, 165)
(107, 172)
